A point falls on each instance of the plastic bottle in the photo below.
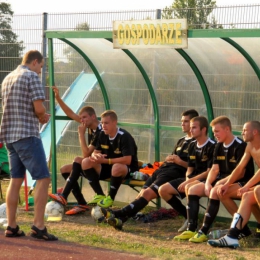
(215, 234)
(53, 218)
(139, 176)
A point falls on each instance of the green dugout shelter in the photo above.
(218, 74)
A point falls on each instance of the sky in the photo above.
(54, 6)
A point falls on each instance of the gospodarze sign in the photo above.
(168, 33)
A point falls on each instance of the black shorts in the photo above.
(162, 176)
(106, 171)
(175, 184)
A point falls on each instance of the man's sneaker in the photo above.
(107, 213)
(225, 241)
(96, 199)
(245, 232)
(184, 226)
(106, 202)
(257, 233)
(77, 209)
(186, 235)
(59, 198)
(116, 223)
(200, 237)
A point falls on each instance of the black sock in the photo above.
(115, 183)
(76, 191)
(131, 209)
(93, 179)
(72, 180)
(193, 211)
(65, 175)
(210, 215)
(234, 232)
(177, 205)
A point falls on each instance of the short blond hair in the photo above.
(111, 113)
(223, 121)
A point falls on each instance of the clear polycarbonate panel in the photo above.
(127, 91)
(251, 46)
(230, 79)
(168, 140)
(175, 85)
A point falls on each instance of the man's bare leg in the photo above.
(12, 197)
(228, 199)
(40, 200)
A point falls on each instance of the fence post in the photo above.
(158, 14)
(44, 46)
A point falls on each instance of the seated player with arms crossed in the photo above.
(175, 166)
(200, 156)
(227, 155)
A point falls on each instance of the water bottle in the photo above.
(53, 218)
(139, 176)
(215, 234)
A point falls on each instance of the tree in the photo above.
(10, 48)
(66, 72)
(74, 58)
(195, 11)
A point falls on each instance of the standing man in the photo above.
(227, 154)
(70, 172)
(174, 166)
(23, 110)
(115, 156)
(200, 158)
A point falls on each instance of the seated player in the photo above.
(175, 166)
(249, 193)
(200, 155)
(115, 156)
(227, 155)
(88, 122)
(249, 203)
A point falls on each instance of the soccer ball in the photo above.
(3, 210)
(54, 208)
(97, 214)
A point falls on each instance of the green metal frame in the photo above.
(154, 101)
(202, 83)
(245, 54)
(94, 69)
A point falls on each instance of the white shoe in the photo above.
(225, 241)
(184, 226)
